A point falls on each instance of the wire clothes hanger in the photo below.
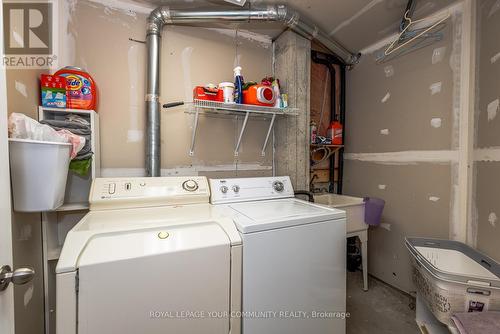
(405, 39)
(419, 37)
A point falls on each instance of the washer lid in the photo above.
(112, 247)
(98, 224)
(266, 215)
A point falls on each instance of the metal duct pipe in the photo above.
(164, 15)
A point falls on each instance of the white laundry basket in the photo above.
(38, 172)
(451, 277)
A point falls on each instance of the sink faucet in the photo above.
(311, 183)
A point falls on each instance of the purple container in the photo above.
(373, 210)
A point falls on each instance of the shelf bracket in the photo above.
(193, 136)
(238, 144)
(263, 153)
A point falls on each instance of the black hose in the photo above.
(305, 193)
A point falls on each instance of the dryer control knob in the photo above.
(236, 188)
(223, 189)
(190, 185)
(278, 186)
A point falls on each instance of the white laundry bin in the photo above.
(451, 277)
(39, 170)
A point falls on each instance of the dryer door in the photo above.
(156, 281)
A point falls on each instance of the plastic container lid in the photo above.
(226, 84)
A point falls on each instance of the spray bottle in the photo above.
(238, 85)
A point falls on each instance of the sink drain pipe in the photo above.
(164, 15)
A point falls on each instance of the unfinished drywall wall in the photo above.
(487, 144)
(402, 139)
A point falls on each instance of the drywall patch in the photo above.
(436, 88)
(382, 186)
(495, 58)
(28, 295)
(389, 71)
(492, 219)
(385, 226)
(438, 55)
(386, 97)
(487, 154)
(492, 109)
(21, 88)
(436, 122)
(405, 157)
(384, 132)
(434, 198)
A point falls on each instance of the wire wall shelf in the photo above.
(198, 107)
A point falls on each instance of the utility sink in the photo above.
(356, 226)
(353, 206)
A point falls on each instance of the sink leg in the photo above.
(364, 258)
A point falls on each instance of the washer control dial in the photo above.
(190, 185)
(278, 186)
(224, 189)
(236, 188)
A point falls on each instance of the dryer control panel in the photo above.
(137, 192)
(250, 189)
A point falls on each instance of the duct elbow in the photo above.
(288, 16)
(157, 19)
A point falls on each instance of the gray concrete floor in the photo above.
(382, 309)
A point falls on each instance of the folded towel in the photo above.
(477, 322)
(77, 126)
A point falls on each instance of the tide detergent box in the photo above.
(53, 91)
(81, 90)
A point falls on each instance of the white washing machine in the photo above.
(150, 258)
(294, 254)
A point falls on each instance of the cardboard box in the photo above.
(53, 91)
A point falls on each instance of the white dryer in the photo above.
(150, 258)
(294, 254)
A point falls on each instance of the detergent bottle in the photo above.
(335, 132)
(81, 90)
(238, 85)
